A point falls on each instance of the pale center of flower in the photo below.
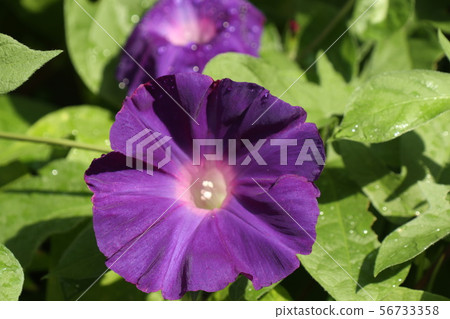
(191, 30)
(210, 190)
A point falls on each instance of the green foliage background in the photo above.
(380, 97)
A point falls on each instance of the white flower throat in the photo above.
(210, 190)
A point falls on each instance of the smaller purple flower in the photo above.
(177, 36)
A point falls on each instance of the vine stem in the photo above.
(53, 141)
(344, 10)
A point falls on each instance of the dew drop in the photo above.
(399, 279)
(438, 229)
(365, 231)
(232, 29)
(417, 213)
(54, 172)
(384, 208)
(194, 47)
(195, 68)
(393, 286)
(135, 18)
(321, 213)
(406, 246)
(226, 24)
(74, 132)
(351, 231)
(161, 50)
(122, 85)
(106, 53)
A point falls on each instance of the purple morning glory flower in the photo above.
(186, 226)
(178, 36)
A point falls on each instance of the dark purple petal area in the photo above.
(178, 36)
(185, 227)
(166, 107)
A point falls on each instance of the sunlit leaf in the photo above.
(412, 238)
(11, 275)
(344, 254)
(18, 62)
(394, 103)
(93, 49)
(34, 207)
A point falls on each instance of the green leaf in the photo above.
(382, 19)
(37, 6)
(414, 237)
(82, 259)
(346, 246)
(390, 54)
(241, 289)
(387, 190)
(112, 287)
(394, 103)
(319, 102)
(445, 44)
(425, 50)
(18, 62)
(35, 207)
(321, 24)
(94, 54)
(277, 294)
(80, 265)
(86, 124)
(11, 276)
(407, 294)
(17, 114)
(388, 172)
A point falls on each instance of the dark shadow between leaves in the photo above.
(109, 88)
(366, 165)
(412, 152)
(29, 238)
(341, 184)
(30, 110)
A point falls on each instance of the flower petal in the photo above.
(152, 108)
(248, 111)
(263, 237)
(178, 36)
(122, 198)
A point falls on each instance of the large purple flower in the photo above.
(183, 35)
(197, 226)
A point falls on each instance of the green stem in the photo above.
(52, 141)
(341, 14)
